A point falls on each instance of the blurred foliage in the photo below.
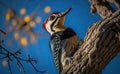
(47, 9)
(19, 27)
(22, 11)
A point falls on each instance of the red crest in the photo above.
(44, 24)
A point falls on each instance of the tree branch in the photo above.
(1, 31)
(101, 44)
(9, 56)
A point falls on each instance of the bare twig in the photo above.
(9, 67)
(9, 55)
(1, 31)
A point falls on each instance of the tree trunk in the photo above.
(101, 44)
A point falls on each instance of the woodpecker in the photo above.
(63, 41)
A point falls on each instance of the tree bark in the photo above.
(101, 44)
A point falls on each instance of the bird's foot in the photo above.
(69, 60)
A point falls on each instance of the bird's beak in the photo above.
(65, 12)
(62, 15)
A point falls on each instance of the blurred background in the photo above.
(21, 28)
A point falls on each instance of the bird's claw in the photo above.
(69, 60)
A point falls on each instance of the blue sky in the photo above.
(79, 19)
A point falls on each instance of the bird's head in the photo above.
(55, 22)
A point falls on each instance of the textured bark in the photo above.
(101, 44)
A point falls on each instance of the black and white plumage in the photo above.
(63, 41)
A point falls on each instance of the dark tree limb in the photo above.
(2, 32)
(101, 44)
(5, 54)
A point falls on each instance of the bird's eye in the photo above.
(52, 17)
